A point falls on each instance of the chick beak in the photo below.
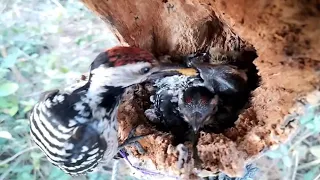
(195, 126)
(196, 118)
(196, 121)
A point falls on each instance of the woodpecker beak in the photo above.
(196, 127)
(171, 70)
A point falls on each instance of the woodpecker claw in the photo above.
(133, 140)
(183, 155)
(139, 148)
(152, 116)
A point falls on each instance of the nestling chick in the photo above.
(197, 105)
(226, 83)
(208, 100)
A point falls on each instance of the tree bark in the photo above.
(286, 37)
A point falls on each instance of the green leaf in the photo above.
(316, 122)
(23, 169)
(274, 154)
(64, 70)
(284, 149)
(26, 109)
(97, 176)
(11, 59)
(30, 102)
(303, 151)
(12, 110)
(315, 150)
(25, 175)
(58, 174)
(9, 105)
(22, 121)
(79, 41)
(3, 141)
(287, 161)
(3, 72)
(21, 129)
(5, 135)
(310, 174)
(4, 103)
(36, 157)
(310, 126)
(4, 166)
(28, 105)
(8, 88)
(307, 117)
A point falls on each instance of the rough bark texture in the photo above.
(286, 36)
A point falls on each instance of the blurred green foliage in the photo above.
(43, 44)
(300, 157)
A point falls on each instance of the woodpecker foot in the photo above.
(119, 154)
(133, 140)
(183, 155)
(151, 115)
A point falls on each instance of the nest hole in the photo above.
(244, 60)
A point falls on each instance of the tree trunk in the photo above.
(286, 38)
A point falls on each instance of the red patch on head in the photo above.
(188, 100)
(121, 55)
(204, 100)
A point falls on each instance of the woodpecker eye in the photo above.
(144, 70)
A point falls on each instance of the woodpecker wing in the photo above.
(60, 126)
(167, 109)
(166, 98)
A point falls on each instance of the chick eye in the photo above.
(144, 70)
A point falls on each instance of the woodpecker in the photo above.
(77, 127)
(229, 81)
(164, 110)
(197, 105)
(175, 97)
(209, 99)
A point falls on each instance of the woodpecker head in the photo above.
(197, 104)
(122, 67)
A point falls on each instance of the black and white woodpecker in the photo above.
(77, 127)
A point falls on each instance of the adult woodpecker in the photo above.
(77, 127)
